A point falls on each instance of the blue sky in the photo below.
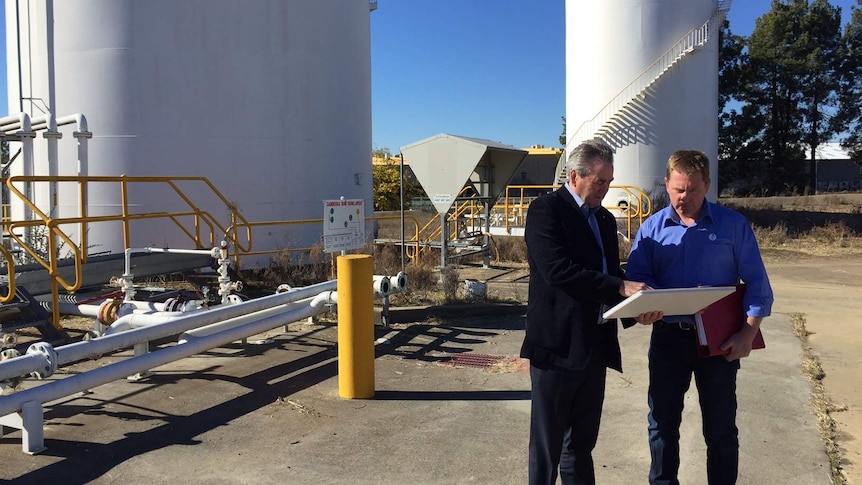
(490, 69)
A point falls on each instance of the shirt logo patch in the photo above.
(713, 237)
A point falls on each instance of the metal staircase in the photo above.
(610, 118)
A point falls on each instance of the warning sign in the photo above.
(343, 225)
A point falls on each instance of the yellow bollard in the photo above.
(355, 327)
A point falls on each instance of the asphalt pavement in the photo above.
(451, 406)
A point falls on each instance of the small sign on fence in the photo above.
(343, 224)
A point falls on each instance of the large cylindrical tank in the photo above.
(608, 45)
(269, 99)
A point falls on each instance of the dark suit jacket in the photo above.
(567, 285)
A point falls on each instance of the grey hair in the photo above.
(581, 158)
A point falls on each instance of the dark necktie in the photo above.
(594, 225)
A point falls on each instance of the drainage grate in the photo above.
(469, 359)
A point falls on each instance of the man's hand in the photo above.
(739, 343)
(649, 318)
(629, 288)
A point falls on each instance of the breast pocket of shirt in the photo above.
(720, 261)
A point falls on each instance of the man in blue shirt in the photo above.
(690, 243)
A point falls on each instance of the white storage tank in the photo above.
(269, 99)
(609, 45)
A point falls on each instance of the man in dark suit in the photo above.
(572, 249)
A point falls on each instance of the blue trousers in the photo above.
(566, 410)
(672, 361)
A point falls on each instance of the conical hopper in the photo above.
(444, 164)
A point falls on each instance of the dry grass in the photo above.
(508, 249)
(841, 203)
(826, 240)
(823, 406)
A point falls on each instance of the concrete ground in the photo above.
(271, 413)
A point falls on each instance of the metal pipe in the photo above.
(20, 366)
(245, 319)
(128, 307)
(18, 121)
(153, 327)
(401, 181)
(87, 380)
(325, 298)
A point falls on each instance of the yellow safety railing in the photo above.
(515, 207)
(204, 231)
(514, 211)
(431, 230)
(207, 229)
(250, 226)
(10, 263)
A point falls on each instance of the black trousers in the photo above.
(673, 360)
(566, 411)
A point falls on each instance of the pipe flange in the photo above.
(7, 354)
(49, 354)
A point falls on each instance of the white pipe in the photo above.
(87, 380)
(50, 124)
(148, 329)
(245, 319)
(18, 121)
(77, 119)
(128, 307)
(381, 285)
(82, 134)
(327, 297)
(83, 310)
(27, 158)
(52, 135)
(400, 282)
(21, 366)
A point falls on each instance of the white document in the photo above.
(671, 301)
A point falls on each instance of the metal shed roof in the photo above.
(444, 164)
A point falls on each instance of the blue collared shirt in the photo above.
(718, 249)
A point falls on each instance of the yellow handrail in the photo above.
(54, 232)
(640, 211)
(10, 275)
(249, 226)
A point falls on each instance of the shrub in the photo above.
(509, 249)
(771, 237)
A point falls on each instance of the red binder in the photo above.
(721, 320)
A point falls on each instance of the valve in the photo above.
(282, 288)
(109, 311)
(8, 340)
(127, 286)
(11, 383)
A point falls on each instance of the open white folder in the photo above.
(671, 301)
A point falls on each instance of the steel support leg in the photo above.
(30, 420)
